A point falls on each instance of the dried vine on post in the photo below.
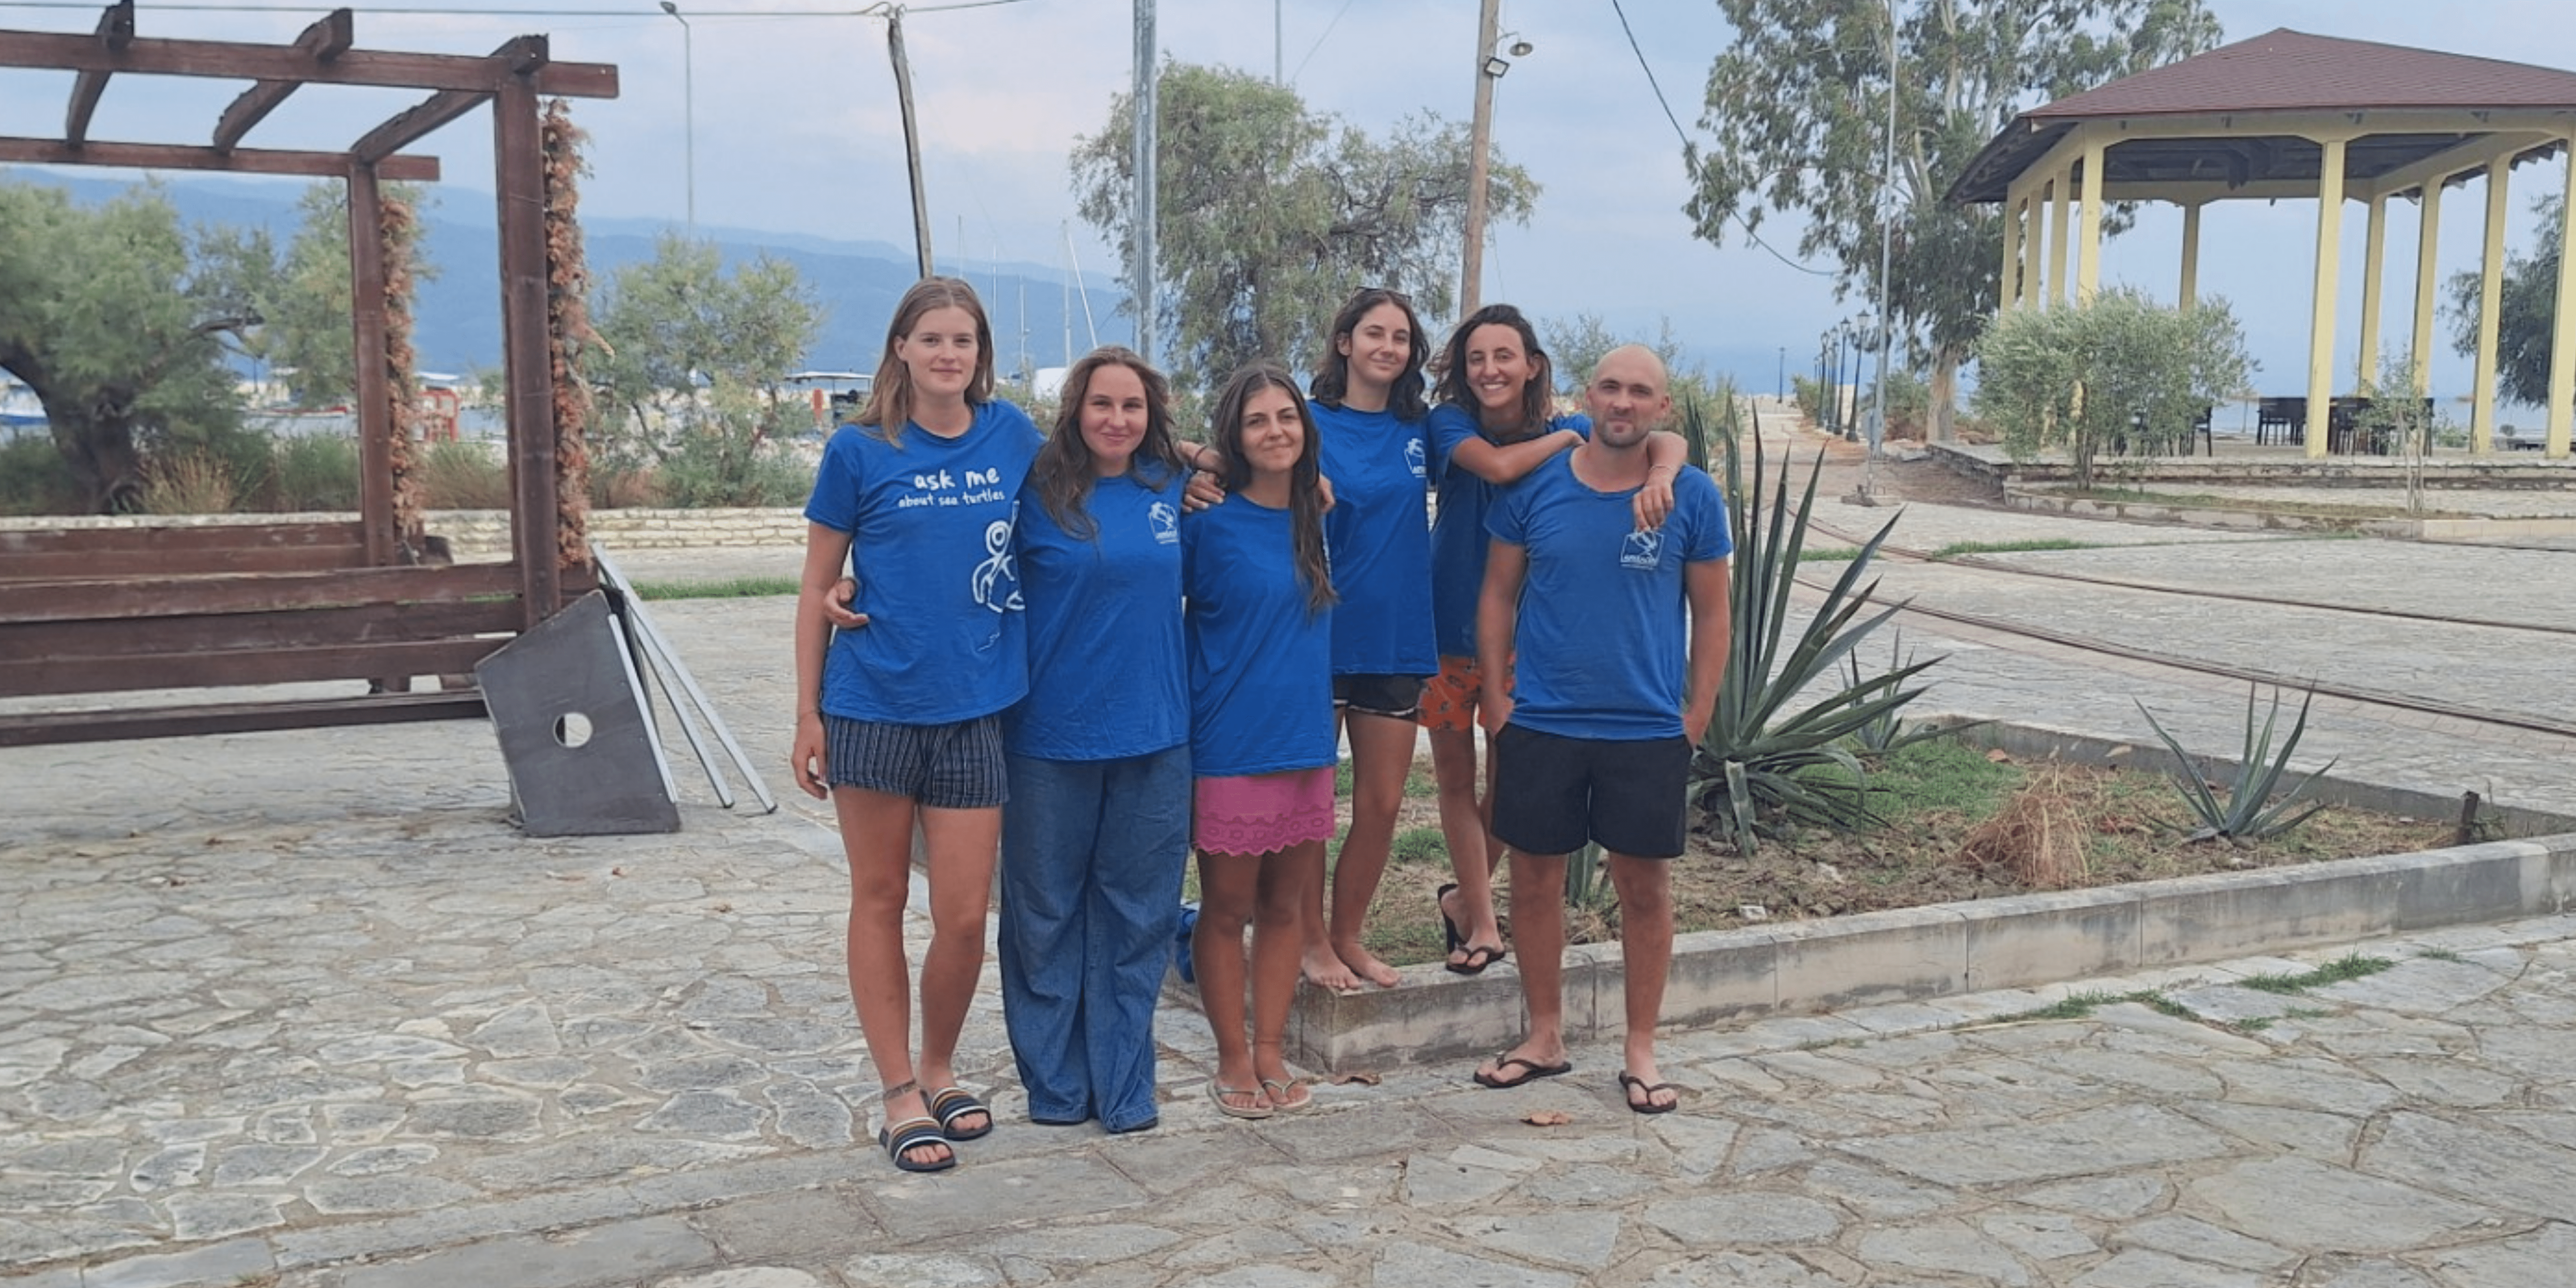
(568, 332)
(399, 227)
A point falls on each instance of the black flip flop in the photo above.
(1535, 1072)
(1453, 942)
(953, 1103)
(1630, 1084)
(910, 1134)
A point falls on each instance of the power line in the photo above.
(91, 6)
(1684, 135)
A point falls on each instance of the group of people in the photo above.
(1147, 646)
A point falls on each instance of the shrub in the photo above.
(2084, 377)
(189, 483)
(317, 472)
(462, 475)
(34, 479)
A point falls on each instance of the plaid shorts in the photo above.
(943, 766)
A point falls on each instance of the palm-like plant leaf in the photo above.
(1752, 771)
(2249, 813)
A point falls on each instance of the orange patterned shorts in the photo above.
(1449, 700)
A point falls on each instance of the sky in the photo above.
(796, 130)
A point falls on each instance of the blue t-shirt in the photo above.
(1458, 528)
(1379, 535)
(930, 522)
(1603, 635)
(1261, 666)
(1104, 619)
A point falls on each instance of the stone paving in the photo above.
(304, 1010)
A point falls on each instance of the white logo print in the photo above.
(1166, 522)
(997, 579)
(1413, 457)
(1642, 550)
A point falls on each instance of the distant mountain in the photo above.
(458, 319)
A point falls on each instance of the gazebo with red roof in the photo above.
(2288, 114)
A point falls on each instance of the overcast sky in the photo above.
(796, 130)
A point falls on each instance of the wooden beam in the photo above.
(174, 552)
(45, 728)
(39, 676)
(329, 37)
(409, 168)
(415, 121)
(518, 57)
(375, 394)
(72, 598)
(115, 32)
(56, 51)
(519, 186)
(232, 632)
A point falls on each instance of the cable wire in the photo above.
(1684, 135)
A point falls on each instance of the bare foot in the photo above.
(1360, 963)
(1324, 969)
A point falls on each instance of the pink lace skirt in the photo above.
(1264, 813)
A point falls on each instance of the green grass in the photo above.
(1420, 845)
(1958, 548)
(1939, 774)
(729, 588)
(2076, 1006)
(2441, 955)
(1844, 555)
(1418, 783)
(2350, 966)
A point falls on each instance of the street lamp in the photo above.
(1886, 236)
(688, 105)
(1490, 67)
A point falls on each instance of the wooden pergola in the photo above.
(88, 609)
(2296, 116)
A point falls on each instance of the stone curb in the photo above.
(1942, 950)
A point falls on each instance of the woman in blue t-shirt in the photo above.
(899, 723)
(1098, 829)
(1260, 595)
(1369, 412)
(1493, 425)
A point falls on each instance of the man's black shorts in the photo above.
(1552, 794)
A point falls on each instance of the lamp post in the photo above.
(1886, 243)
(1490, 66)
(688, 105)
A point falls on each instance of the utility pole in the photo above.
(911, 137)
(1886, 242)
(1480, 138)
(1278, 34)
(1144, 168)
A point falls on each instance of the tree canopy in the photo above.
(1797, 123)
(691, 359)
(116, 317)
(309, 333)
(1270, 215)
(2117, 371)
(2529, 301)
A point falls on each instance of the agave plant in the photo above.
(1887, 732)
(1753, 773)
(2249, 813)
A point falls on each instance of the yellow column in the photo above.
(2374, 251)
(2190, 253)
(2088, 244)
(2562, 337)
(2427, 282)
(2062, 187)
(2034, 244)
(2321, 318)
(2482, 394)
(2007, 287)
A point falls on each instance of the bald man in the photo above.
(1621, 639)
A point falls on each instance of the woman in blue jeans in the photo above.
(1098, 758)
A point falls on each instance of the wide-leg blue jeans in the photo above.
(1092, 855)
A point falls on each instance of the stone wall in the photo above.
(485, 534)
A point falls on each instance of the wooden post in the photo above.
(2321, 316)
(519, 179)
(374, 394)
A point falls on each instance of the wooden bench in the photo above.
(108, 610)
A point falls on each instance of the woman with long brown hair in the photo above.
(1098, 830)
(899, 724)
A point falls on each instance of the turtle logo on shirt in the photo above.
(997, 579)
(1414, 458)
(1642, 550)
(1166, 522)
